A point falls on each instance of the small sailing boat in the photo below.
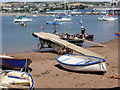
(108, 17)
(22, 18)
(52, 22)
(82, 62)
(63, 19)
(16, 80)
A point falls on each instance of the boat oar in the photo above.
(95, 43)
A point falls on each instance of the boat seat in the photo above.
(16, 80)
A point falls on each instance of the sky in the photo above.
(54, 0)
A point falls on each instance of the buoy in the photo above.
(81, 22)
(106, 22)
(24, 24)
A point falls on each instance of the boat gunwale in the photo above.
(16, 58)
(21, 72)
(86, 64)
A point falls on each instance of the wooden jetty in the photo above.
(59, 45)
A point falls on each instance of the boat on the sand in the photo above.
(16, 80)
(14, 63)
(76, 62)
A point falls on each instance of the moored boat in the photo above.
(53, 22)
(78, 39)
(62, 19)
(16, 80)
(14, 63)
(22, 18)
(107, 18)
(82, 62)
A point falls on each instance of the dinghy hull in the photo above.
(101, 67)
(14, 63)
(82, 63)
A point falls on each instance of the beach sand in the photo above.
(47, 73)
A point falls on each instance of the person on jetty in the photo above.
(75, 36)
(62, 35)
(83, 31)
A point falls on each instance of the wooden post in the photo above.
(54, 29)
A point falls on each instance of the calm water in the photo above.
(16, 38)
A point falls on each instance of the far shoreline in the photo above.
(43, 14)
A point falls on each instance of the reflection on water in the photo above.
(17, 38)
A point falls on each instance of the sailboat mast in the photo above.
(64, 6)
(113, 6)
(25, 7)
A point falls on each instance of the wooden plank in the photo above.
(56, 39)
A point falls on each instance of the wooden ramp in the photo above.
(57, 40)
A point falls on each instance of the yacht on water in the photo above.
(62, 19)
(108, 17)
(22, 18)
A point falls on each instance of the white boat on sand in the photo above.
(16, 79)
(82, 63)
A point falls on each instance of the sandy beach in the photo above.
(47, 73)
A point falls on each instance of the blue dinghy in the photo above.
(14, 63)
(82, 62)
(53, 22)
(16, 79)
(117, 34)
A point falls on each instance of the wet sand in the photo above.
(47, 73)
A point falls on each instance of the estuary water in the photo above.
(17, 38)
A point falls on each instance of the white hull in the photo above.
(63, 19)
(106, 18)
(100, 19)
(96, 67)
(22, 20)
(109, 19)
(82, 62)
(34, 15)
